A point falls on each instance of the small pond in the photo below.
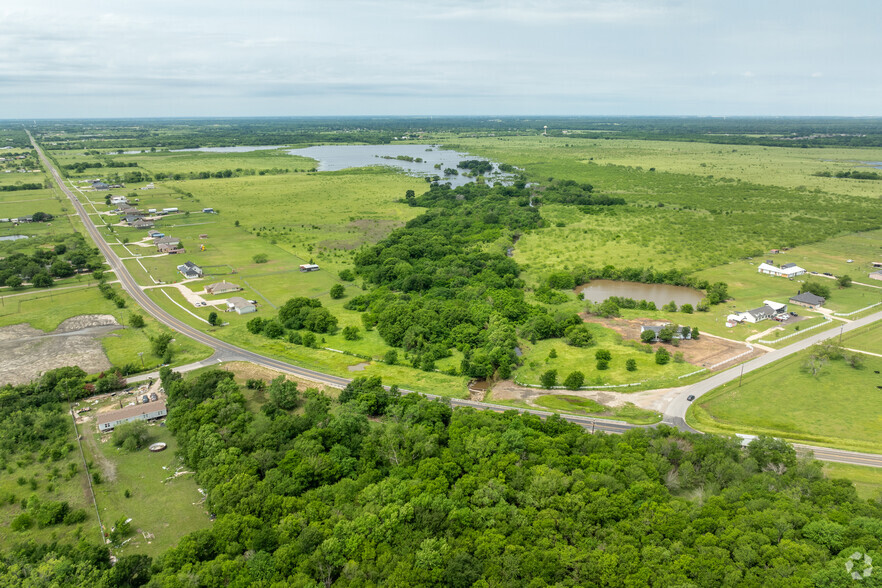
(337, 157)
(13, 237)
(600, 290)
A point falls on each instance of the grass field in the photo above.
(585, 406)
(867, 481)
(840, 407)
(536, 361)
(868, 338)
(166, 506)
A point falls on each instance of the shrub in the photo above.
(260, 258)
(631, 365)
(579, 336)
(602, 364)
(391, 357)
(337, 291)
(131, 436)
(136, 321)
(662, 356)
(347, 275)
(213, 319)
(549, 379)
(350, 333)
(647, 336)
(670, 307)
(687, 308)
(575, 380)
(603, 354)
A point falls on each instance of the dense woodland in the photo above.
(383, 489)
(52, 259)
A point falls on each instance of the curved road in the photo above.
(226, 352)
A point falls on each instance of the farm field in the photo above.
(868, 339)
(840, 407)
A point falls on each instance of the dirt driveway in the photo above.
(26, 352)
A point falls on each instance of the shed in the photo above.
(240, 305)
(876, 275)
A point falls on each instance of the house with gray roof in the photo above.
(808, 300)
(190, 270)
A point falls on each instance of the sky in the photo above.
(183, 58)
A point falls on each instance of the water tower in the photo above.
(545, 131)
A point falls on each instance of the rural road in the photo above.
(224, 351)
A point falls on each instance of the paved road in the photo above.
(676, 411)
(224, 351)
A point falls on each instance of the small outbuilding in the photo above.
(240, 305)
(309, 267)
(808, 300)
(876, 275)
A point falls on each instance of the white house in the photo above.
(118, 200)
(788, 270)
(309, 267)
(240, 305)
(139, 412)
(190, 270)
(222, 288)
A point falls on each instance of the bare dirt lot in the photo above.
(707, 352)
(244, 371)
(26, 352)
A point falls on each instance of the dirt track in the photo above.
(26, 352)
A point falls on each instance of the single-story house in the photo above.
(876, 275)
(759, 314)
(788, 270)
(190, 270)
(149, 186)
(142, 224)
(118, 200)
(222, 288)
(776, 306)
(678, 334)
(100, 186)
(164, 240)
(309, 267)
(154, 234)
(240, 305)
(808, 300)
(170, 248)
(139, 412)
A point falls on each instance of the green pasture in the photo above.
(169, 507)
(840, 407)
(867, 481)
(569, 359)
(586, 406)
(673, 218)
(867, 338)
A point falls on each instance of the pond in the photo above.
(338, 157)
(600, 290)
(13, 237)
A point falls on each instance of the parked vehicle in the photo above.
(690, 398)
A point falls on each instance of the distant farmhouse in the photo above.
(222, 288)
(190, 270)
(808, 300)
(876, 275)
(240, 305)
(788, 270)
(139, 412)
(99, 185)
(769, 309)
(309, 267)
(118, 200)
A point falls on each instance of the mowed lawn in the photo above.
(840, 407)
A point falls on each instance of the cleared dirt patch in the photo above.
(244, 371)
(25, 352)
(706, 352)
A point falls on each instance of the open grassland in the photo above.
(586, 406)
(840, 407)
(867, 481)
(868, 338)
(536, 361)
(46, 309)
(673, 219)
(160, 503)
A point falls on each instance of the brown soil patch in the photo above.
(359, 367)
(25, 352)
(707, 351)
(244, 371)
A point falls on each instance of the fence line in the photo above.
(856, 311)
(805, 330)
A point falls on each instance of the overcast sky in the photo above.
(127, 58)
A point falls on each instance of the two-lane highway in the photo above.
(228, 352)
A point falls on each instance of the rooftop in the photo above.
(130, 411)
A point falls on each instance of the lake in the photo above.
(600, 290)
(338, 157)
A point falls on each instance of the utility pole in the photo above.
(841, 329)
(741, 377)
